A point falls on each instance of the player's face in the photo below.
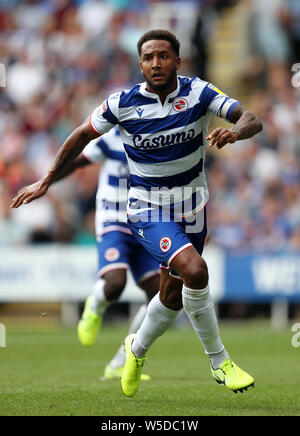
(159, 64)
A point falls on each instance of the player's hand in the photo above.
(30, 193)
(220, 137)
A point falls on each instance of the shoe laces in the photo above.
(226, 366)
(140, 361)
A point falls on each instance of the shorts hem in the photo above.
(107, 268)
(148, 275)
(179, 251)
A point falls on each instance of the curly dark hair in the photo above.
(159, 34)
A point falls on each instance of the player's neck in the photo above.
(162, 93)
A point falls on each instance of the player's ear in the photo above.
(141, 69)
(178, 63)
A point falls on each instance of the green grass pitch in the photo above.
(46, 372)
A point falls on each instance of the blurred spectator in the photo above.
(201, 34)
(206, 21)
(24, 80)
(86, 235)
(268, 40)
(294, 240)
(290, 19)
(94, 16)
(11, 231)
(31, 14)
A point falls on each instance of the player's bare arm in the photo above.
(246, 125)
(80, 162)
(61, 166)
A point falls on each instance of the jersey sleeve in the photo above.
(93, 151)
(105, 116)
(218, 102)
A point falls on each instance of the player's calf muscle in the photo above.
(172, 298)
(150, 286)
(170, 291)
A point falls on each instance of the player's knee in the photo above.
(196, 274)
(114, 286)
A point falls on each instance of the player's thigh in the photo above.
(189, 263)
(197, 231)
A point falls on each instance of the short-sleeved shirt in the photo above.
(165, 143)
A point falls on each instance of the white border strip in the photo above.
(179, 251)
(107, 268)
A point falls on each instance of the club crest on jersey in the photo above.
(112, 254)
(180, 104)
(165, 244)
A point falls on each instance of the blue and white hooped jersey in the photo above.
(112, 193)
(165, 144)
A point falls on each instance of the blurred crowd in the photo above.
(255, 184)
(63, 57)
